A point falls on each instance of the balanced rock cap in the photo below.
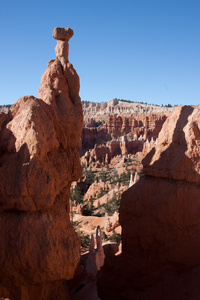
(62, 33)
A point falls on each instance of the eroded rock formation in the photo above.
(95, 259)
(38, 161)
(160, 220)
(118, 107)
(136, 125)
(115, 126)
(102, 154)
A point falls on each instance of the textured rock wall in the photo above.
(121, 125)
(116, 126)
(104, 153)
(38, 161)
(117, 107)
(160, 219)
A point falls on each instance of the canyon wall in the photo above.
(118, 107)
(38, 161)
(102, 154)
(115, 126)
(160, 220)
(136, 125)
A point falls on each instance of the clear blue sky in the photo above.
(139, 50)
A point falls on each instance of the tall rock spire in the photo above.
(38, 161)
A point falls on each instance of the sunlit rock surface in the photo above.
(38, 161)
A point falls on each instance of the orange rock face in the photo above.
(103, 154)
(159, 217)
(138, 125)
(38, 161)
(117, 126)
(177, 152)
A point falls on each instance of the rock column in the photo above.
(95, 257)
(38, 161)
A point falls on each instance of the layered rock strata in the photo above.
(38, 161)
(135, 126)
(118, 107)
(102, 154)
(160, 220)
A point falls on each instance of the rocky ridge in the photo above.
(99, 111)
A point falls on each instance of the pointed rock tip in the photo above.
(62, 33)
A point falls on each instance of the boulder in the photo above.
(62, 33)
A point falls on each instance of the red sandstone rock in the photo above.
(38, 161)
(102, 154)
(160, 220)
(176, 154)
(94, 190)
(149, 125)
(135, 126)
(95, 259)
(62, 33)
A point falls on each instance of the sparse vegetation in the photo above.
(85, 240)
(115, 237)
(75, 195)
(104, 236)
(111, 206)
(102, 192)
(140, 173)
(90, 176)
(106, 175)
(5, 105)
(99, 195)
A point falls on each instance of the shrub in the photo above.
(74, 223)
(104, 236)
(100, 214)
(113, 205)
(104, 176)
(75, 195)
(88, 211)
(115, 237)
(85, 240)
(90, 176)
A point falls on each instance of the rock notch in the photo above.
(38, 161)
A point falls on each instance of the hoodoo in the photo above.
(38, 161)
